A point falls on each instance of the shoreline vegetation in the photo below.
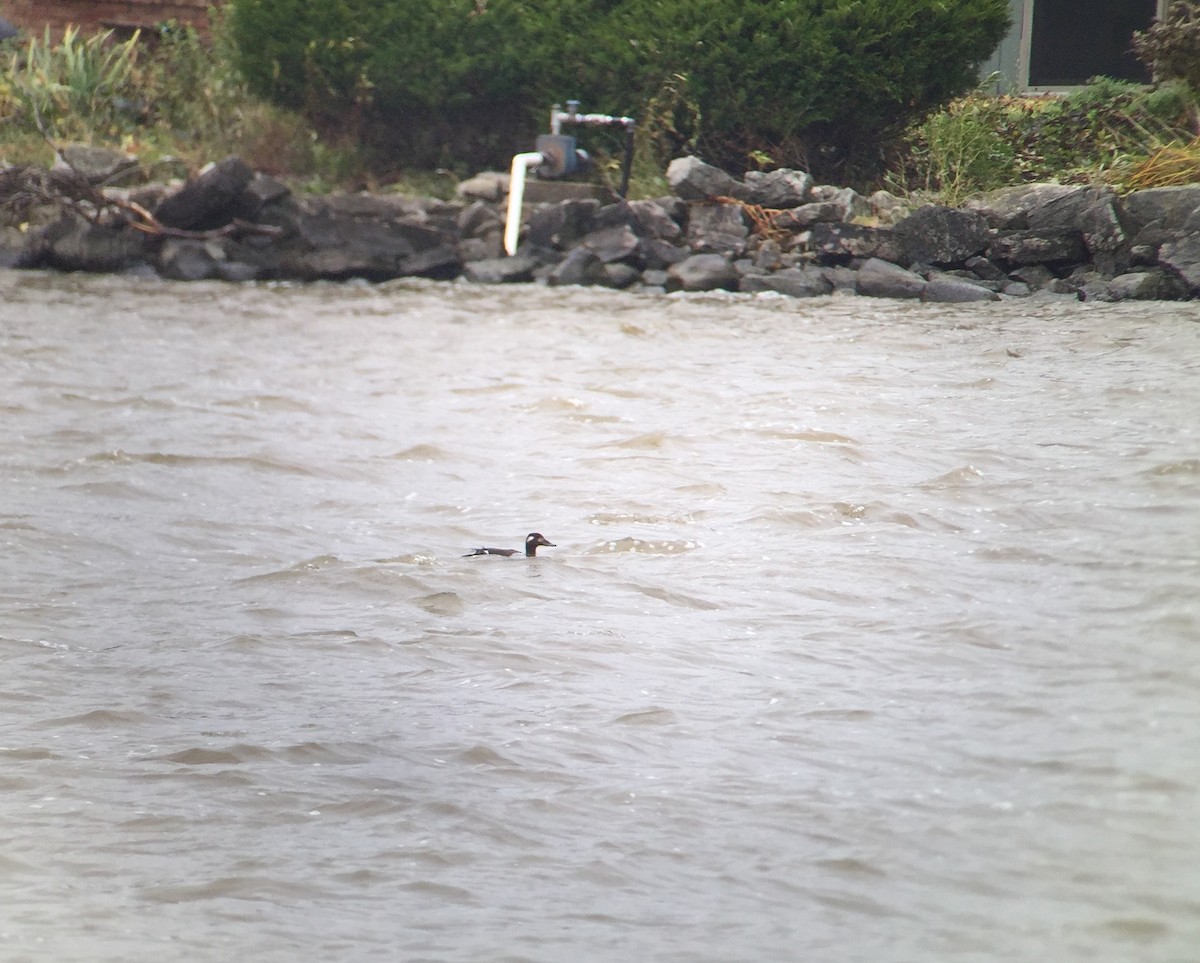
(174, 97)
(1087, 164)
(775, 232)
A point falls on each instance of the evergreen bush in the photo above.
(817, 83)
(823, 84)
(421, 77)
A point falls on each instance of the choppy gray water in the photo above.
(872, 632)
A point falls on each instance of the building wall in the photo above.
(1001, 67)
(1033, 31)
(92, 15)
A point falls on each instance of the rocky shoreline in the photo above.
(774, 232)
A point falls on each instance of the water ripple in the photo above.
(869, 632)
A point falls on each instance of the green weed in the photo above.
(1101, 133)
(76, 86)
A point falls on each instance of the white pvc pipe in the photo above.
(596, 120)
(516, 196)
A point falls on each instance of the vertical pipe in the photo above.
(516, 196)
(627, 162)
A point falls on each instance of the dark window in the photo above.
(1075, 40)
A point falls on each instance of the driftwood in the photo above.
(235, 228)
(24, 188)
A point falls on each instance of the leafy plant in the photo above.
(962, 149)
(1170, 47)
(194, 87)
(76, 84)
(1108, 131)
(666, 128)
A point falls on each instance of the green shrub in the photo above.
(420, 77)
(191, 84)
(302, 54)
(180, 97)
(1108, 131)
(960, 150)
(824, 83)
(1170, 47)
(76, 86)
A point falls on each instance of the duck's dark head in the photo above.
(533, 541)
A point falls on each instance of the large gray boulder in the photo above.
(717, 229)
(15, 249)
(74, 244)
(208, 200)
(941, 235)
(1093, 214)
(807, 282)
(947, 289)
(1007, 208)
(1037, 247)
(239, 262)
(502, 270)
(676, 208)
(1157, 285)
(441, 263)
(660, 255)
(1036, 276)
(844, 280)
(693, 180)
(489, 186)
(180, 260)
(561, 225)
(1161, 216)
(620, 214)
(261, 191)
(98, 165)
(806, 215)
(358, 236)
(580, 266)
(887, 208)
(1167, 207)
(613, 244)
(337, 248)
(702, 272)
(778, 189)
(620, 275)
(1183, 257)
(1092, 211)
(428, 214)
(984, 269)
(651, 219)
(853, 205)
(479, 219)
(882, 279)
(839, 243)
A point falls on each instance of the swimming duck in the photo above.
(532, 541)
